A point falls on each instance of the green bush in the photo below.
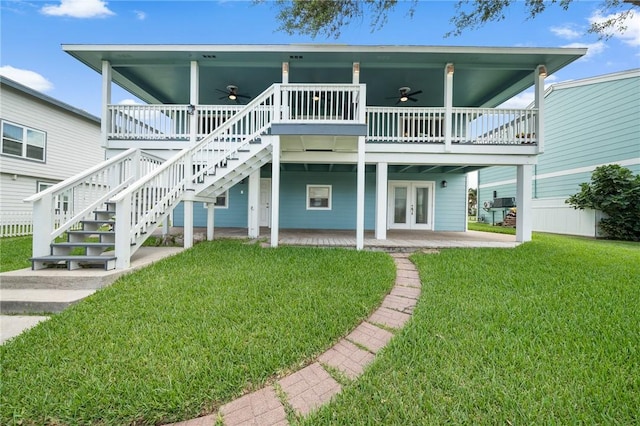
(615, 191)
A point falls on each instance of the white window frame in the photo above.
(225, 194)
(24, 142)
(308, 197)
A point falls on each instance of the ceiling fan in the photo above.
(405, 95)
(232, 94)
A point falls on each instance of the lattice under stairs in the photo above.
(89, 247)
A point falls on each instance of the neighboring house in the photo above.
(44, 141)
(589, 123)
(308, 136)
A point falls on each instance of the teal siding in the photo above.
(585, 126)
(450, 202)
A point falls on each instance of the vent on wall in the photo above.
(209, 56)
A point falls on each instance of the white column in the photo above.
(275, 191)
(540, 74)
(381, 200)
(253, 216)
(285, 73)
(448, 105)
(165, 226)
(211, 209)
(188, 223)
(355, 79)
(194, 91)
(360, 195)
(524, 220)
(105, 123)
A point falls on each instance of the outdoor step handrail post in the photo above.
(122, 232)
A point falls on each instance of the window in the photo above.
(318, 197)
(61, 202)
(222, 201)
(20, 141)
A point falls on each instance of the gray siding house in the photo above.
(590, 122)
(44, 141)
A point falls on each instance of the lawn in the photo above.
(486, 227)
(15, 253)
(547, 333)
(189, 333)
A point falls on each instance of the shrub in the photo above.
(615, 191)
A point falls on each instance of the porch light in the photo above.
(191, 109)
(356, 67)
(443, 184)
(232, 96)
(404, 98)
(542, 71)
(316, 96)
(450, 69)
(285, 68)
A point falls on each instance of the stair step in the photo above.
(39, 300)
(99, 221)
(82, 244)
(73, 262)
(81, 232)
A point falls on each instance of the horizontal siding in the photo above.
(73, 142)
(496, 174)
(14, 191)
(449, 214)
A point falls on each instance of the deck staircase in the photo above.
(124, 200)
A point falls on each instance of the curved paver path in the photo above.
(311, 387)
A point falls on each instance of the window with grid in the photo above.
(23, 142)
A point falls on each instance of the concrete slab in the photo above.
(13, 325)
(39, 300)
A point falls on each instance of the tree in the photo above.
(329, 17)
(615, 191)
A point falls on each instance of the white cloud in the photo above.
(79, 9)
(593, 49)
(566, 32)
(28, 78)
(129, 102)
(140, 15)
(630, 36)
(524, 99)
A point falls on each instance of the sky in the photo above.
(32, 32)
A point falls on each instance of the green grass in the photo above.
(187, 334)
(485, 227)
(15, 253)
(547, 333)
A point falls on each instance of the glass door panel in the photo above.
(400, 204)
(422, 205)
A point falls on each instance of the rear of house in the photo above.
(590, 122)
(303, 136)
(44, 141)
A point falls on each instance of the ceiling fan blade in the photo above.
(392, 97)
(243, 96)
(412, 99)
(417, 92)
(397, 102)
(223, 91)
(224, 97)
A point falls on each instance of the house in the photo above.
(303, 136)
(589, 123)
(44, 141)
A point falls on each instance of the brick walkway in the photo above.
(309, 388)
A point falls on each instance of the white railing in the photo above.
(326, 103)
(78, 196)
(390, 124)
(321, 103)
(468, 125)
(142, 206)
(16, 224)
(483, 126)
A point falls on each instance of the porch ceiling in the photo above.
(484, 76)
(371, 168)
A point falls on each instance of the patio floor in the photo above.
(397, 240)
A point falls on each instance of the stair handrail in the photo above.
(145, 202)
(83, 193)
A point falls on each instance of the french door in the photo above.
(411, 205)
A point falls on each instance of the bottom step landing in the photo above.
(18, 301)
(106, 262)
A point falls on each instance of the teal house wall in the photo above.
(588, 123)
(449, 214)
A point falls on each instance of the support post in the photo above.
(210, 220)
(42, 226)
(275, 191)
(188, 223)
(540, 74)
(448, 106)
(381, 200)
(524, 219)
(360, 195)
(123, 233)
(253, 216)
(105, 123)
(194, 88)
